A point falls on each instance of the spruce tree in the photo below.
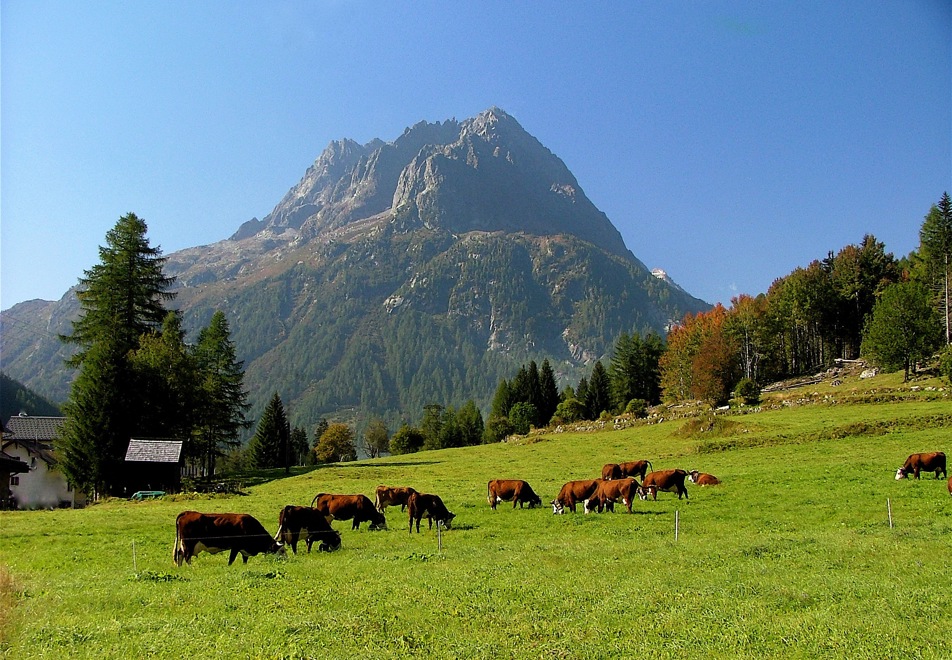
(223, 400)
(549, 399)
(269, 445)
(121, 299)
(935, 239)
(598, 398)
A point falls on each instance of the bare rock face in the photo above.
(460, 250)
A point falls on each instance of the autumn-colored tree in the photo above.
(701, 359)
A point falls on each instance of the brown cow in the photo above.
(431, 507)
(347, 507)
(295, 520)
(950, 485)
(573, 492)
(387, 496)
(517, 490)
(217, 532)
(633, 469)
(612, 490)
(704, 479)
(916, 463)
(668, 481)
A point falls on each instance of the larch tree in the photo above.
(121, 299)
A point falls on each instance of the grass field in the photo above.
(793, 556)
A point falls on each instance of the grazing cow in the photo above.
(431, 507)
(347, 507)
(950, 485)
(517, 490)
(916, 463)
(573, 492)
(217, 532)
(295, 520)
(668, 481)
(634, 469)
(704, 479)
(387, 496)
(612, 490)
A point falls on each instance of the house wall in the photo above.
(42, 488)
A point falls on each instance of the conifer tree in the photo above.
(549, 399)
(598, 396)
(935, 238)
(269, 445)
(220, 417)
(121, 299)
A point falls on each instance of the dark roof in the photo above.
(12, 464)
(37, 429)
(154, 451)
(35, 434)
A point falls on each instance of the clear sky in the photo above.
(729, 142)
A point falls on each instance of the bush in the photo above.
(570, 410)
(497, 429)
(522, 416)
(945, 363)
(748, 391)
(406, 440)
(637, 408)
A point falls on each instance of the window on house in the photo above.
(14, 480)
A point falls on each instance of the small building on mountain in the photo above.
(31, 440)
(154, 464)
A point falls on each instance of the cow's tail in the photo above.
(315, 499)
(489, 493)
(650, 468)
(377, 501)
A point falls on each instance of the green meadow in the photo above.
(793, 556)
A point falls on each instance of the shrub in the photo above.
(945, 363)
(522, 416)
(570, 410)
(497, 429)
(406, 440)
(749, 391)
(637, 408)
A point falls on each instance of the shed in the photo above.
(154, 464)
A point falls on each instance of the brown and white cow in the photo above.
(668, 481)
(358, 508)
(392, 496)
(704, 479)
(515, 490)
(239, 533)
(431, 507)
(916, 463)
(629, 469)
(614, 490)
(573, 492)
(295, 521)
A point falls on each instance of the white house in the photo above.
(43, 486)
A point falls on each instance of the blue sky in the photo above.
(729, 142)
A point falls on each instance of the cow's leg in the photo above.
(232, 555)
(356, 525)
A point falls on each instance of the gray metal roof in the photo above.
(154, 451)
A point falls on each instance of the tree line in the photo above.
(137, 376)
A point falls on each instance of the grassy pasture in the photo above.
(792, 556)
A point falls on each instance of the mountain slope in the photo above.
(417, 271)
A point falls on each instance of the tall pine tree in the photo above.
(271, 442)
(121, 299)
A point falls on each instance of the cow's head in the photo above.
(330, 542)
(557, 507)
(535, 500)
(447, 520)
(378, 522)
(642, 493)
(901, 474)
(693, 474)
(278, 549)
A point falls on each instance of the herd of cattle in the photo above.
(241, 533)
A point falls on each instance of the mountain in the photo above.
(397, 274)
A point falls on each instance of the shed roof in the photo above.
(154, 451)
